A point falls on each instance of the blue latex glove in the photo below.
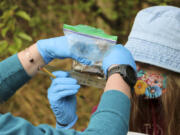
(62, 98)
(57, 47)
(118, 55)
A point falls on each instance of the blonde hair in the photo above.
(169, 107)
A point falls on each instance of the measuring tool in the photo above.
(86, 79)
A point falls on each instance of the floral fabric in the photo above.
(152, 85)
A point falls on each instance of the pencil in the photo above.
(48, 72)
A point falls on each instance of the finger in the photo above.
(85, 61)
(82, 60)
(60, 73)
(60, 87)
(59, 92)
(69, 92)
(65, 93)
(64, 81)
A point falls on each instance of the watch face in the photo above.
(131, 74)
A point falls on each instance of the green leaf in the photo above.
(1, 25)
(163, 4)
(14, 7)
(4, 31)
(7, 14)
(23, 15)
(11, 24)
(3, 45)
(12, 49)
(24, 36)
(18, 42)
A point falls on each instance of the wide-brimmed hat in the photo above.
(155, 37)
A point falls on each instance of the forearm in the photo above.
(16, 70)
(31, 60)
(12, 77)
(112, 115)
(111, 118)
(116, 82)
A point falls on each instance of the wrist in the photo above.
(44, 49)
(31, 60)
(126, 71)
(113, 65)
(59, 125)
(116, 82)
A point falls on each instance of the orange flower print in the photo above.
(140, 87)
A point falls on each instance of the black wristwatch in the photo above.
(127, 72)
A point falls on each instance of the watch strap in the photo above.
(122, 70)
(116, 69)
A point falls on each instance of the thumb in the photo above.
(82, 60)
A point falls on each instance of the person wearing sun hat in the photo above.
(154, 42)
(155, 37)
(159, 91)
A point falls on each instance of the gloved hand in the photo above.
(117, 55)
(62, 98)
(57, 47)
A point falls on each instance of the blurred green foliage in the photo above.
(23, 22)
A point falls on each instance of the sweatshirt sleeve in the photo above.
(111, 118)
(112, 115)
(12, 77)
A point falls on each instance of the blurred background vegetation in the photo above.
(23, 22)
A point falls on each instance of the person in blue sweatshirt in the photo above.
(112, 115)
